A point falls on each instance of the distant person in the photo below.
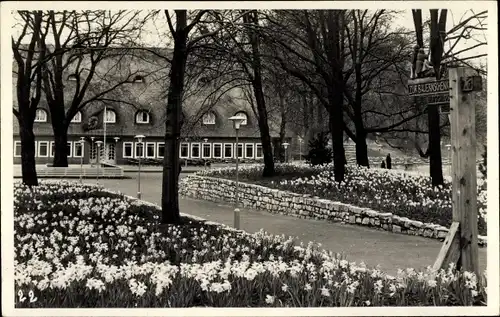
(383, 164)
(388, 159)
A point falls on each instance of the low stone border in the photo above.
(304, 206)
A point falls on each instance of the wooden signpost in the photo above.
(431, 92)
(460, 246)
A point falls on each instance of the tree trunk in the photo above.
(265, 136)
(435, 162)
(259, 98)
(60, 150)
(28, 155)
(60, 129)
(337, 130)
(170, 184)
(335, 90)
(361, 148)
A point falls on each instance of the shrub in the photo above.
(319, 152)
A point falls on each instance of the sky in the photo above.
(156, 33)
(156, 28)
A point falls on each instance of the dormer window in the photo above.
(72, 77)
(110, 116)
(77, 118)
(204, 80)
(209, 118)
(244, 115)
(40, 115)
(142, 117)
(138, 79)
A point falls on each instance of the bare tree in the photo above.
(28, 71)
(241, 44)
(83, 44)
(186, 36)
(376, 54)
(312, 45)
(439, 60)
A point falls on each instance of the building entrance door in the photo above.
(108, 154)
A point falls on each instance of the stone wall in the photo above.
(304, 206)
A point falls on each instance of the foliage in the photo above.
(319, 152)
(483, 164)
(73, 239)
(383, 190)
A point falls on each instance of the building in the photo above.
(138, 108)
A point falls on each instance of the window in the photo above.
(72, 77)
(217, 150)
(69, 150)
(142, 117)
(204, 80)
(78, 149)
(139, 149)
(258, 151)
(249, 150)
(43, 148)
(184, 149)
(110, 116)
(138, 79)
(77, 118)
(207, 150)
(209, 118)
(40, 115)
(195, 150)
(150, 149)
(240, 150)
(244, 115)
(17, 148)
(160, 149)
(52, 149)
(228, 150)
(127, 150)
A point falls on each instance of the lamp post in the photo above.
(237, 120)
(82, 142)
(116, 144)
(139, 139)
(448, 146)
(300, 148)
(205, 140)
(98, 157)
(91, 147)
(186, 159)
(285, 145)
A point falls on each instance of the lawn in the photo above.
(404, 195)
(82, 246)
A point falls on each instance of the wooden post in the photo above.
(450, 251)
(463, 142)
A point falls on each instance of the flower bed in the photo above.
(386, 191)
(81, 246)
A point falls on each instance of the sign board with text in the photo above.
(430, 92)
(428, 86)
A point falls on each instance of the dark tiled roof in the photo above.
(151, 96)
